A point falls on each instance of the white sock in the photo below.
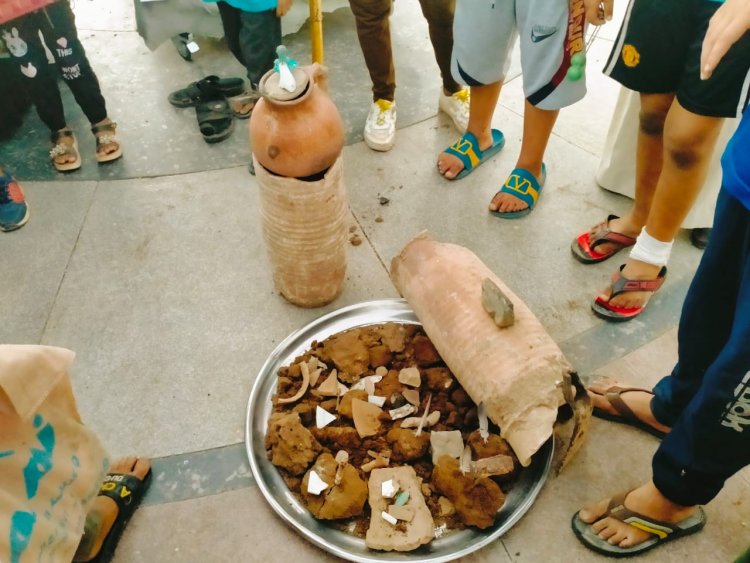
(651, 251)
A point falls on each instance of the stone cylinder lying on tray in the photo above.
(517, 372)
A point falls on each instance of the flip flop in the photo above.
(662, 532)
(620, 285)
(522, 184)
(467, 150)
(127, 491)
(584, 249)
(247, 98)
(625, 414)
(194, 92)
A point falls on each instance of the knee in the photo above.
(370, 12)
(438, 13)
(688, 149)
(652, 123)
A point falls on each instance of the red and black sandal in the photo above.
(620, 285)
(584, 248)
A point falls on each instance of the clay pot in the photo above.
(296, 134)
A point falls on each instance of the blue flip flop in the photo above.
(522, 184)
(468, 152)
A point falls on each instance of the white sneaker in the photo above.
(457, 108)
(380, 127)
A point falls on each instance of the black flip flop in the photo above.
(662, 532)
(214, 120)
(624, 415)
(127, 491)
(194, 93)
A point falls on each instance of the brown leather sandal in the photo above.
(105, 135)
(625, 414)
(59, 148)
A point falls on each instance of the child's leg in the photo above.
(439, 16)
(61, 37)
(537, 128)
(689, 141)
(22, 38)
(374, 32)
(260, 34)
(230, 21)
(648, 164)
(481, 107)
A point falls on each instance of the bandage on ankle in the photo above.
(648, 249)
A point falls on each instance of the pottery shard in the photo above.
(448, 443)
(497, 304)
(345, 406)
(476, 500)
(411, 395)
(366, 417)
(407, 535)
(424, 351)
(291, 445)
(410, 376)
(349, 353)
(344, 500)
(406, 445)
(495, 466)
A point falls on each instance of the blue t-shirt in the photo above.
(250, 5)
(735, 162)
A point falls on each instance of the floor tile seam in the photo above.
(370, 243)
(53, 304)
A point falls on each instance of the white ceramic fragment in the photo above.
(323, 418)
(389, 489)
(388, 518)
(483, 422)
(361, 385)
(402, 411)
(446, 443)
(375, 400)
(316, 485)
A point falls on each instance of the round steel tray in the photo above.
(448, 547)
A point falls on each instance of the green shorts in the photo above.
(658, 51)
(550, 32)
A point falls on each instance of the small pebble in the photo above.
(355, 240)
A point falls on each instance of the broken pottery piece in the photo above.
(483, 422)
(388, 489)
(402, 411)
(424, 415)
(341, 459)
(413, 422)
(446, 507)
(330, 387)
(388, 518)
(375, 400)
(410, 535)
(366, 418)
(411, 395)
(378, 461)
(405, 513)
(401, 498)
(323, 418)
(495, 466)
(362, 383)
(465, 460)
(301, 391)
(448, 443)
(410, 376)
(316, 485)
(499, 307)
(381, 371)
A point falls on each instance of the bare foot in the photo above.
(633, 270)
(646, 500)
(104, 512)
(449, 165)
(622, 225)
(638, 401)
(506, 203)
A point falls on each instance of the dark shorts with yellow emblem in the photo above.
(658, 51)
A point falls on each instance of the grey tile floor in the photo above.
(154, 271)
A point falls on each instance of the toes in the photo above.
(593, 512)
(618, 537)
(123, 464)
(141, 467)
(605, 531)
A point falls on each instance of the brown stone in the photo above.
(291, 445)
